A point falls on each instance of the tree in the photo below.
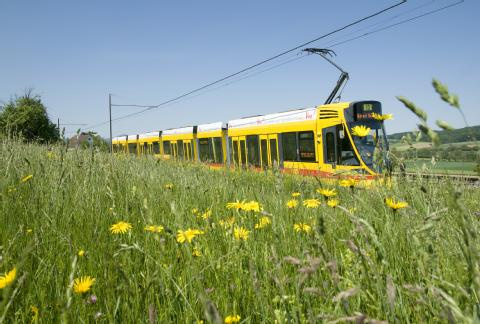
(26, 117)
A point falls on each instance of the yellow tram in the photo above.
(310, 141)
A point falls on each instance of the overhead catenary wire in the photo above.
(356, 22)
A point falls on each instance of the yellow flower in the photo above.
(327, 193)
(154, 228)
(395, 205)
(29, 230)
(347, 183)
(264, 221)
(83, 284)
(235, 205)
(195, 211)
(120, 228)
(196, 252)
(34, 311)
(292, 203)
(311, 203)
(50, 155)
(8, 278)
(168, 186)
(240, 233)
(295, 194)
(302, 227)
(332, 203)
(232, 319)
(252, 206)
(81, 253)
(227, 222)
(360, 131)
(382, 117)
(188, 235)
(206, 215)
(26, 178)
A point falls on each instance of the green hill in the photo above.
(465, 134)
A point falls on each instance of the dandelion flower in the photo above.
(154, 228)
(232, 319)
(360, 131)
(235, 205)
(348, 183)
(168, 186)
(263, 222)
(8, 278)
(252, 206)
(81, 253)
(29, 230)
(395, 205)
(83, 284)
(327, 193)
(34, 310)
(295, 194)
(227, 222)
(196, 252)
(26, 178)
(292, 203)
(382, 117)
(240, 233)
(311, 203)
(195, 211)
(120, 228)
(188, 235)
(302, 227)
(206, 215)
(332, 203)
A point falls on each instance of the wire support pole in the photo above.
(110, 118)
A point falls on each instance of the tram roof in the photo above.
(177, 131)
(297, 115)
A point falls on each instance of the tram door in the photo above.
(242, 156)
(269, 150)
(330, 154)
(187, 149)
(180, 151)
(174, 149)
(234, 152)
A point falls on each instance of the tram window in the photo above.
(263, 145)
(273, 151)
(206, 149)
(253, 150)
(217, 143)
(235, 152)
(132, 148)
(306, 146)
(243, 152)
(167, 149)
(330, 142)
(346, 154)
(289, 142)
(180, 149)
(156, 148)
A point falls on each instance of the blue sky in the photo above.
(74, 53)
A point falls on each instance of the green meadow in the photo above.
(361, 261)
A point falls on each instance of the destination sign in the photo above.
(364, 110)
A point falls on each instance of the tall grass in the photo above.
(361, 262)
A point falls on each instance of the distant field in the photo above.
(400, 146)
(442, 166)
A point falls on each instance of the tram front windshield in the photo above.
(373, 147)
